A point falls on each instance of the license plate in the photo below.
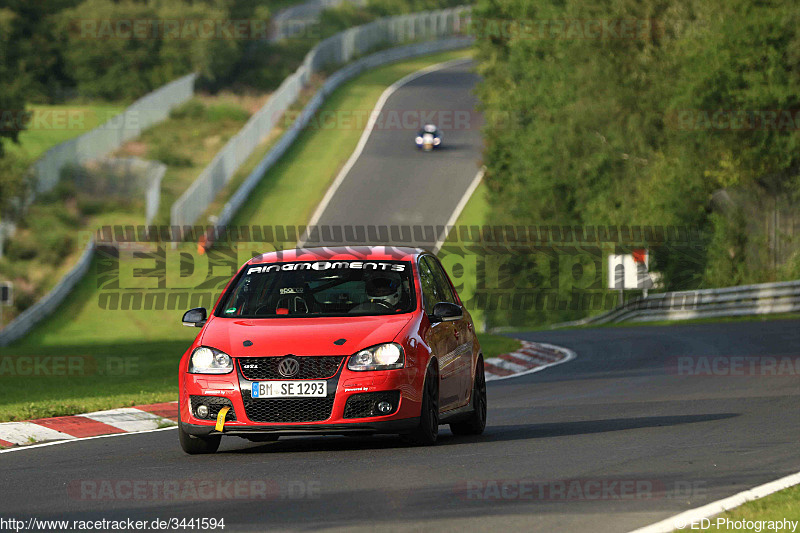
(290, 389)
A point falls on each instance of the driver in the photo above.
(385, 288)
(384, 291)
(429, 128)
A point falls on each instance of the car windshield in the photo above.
(321, 288)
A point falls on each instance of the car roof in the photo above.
(371, 253)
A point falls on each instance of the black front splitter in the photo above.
(387, 427)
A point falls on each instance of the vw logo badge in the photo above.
(289, 367)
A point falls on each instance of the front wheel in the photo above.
(476, 423)
(193, 444)
(428, 430)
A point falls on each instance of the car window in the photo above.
(428, 283)
(441, 290)
(321, 288)
(444, 292)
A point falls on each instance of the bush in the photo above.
(193, 109)
(166, 155)
(117, 69)
(23, 299)
(18, 249)
(92, 206)
(594, 138)
(220, 112)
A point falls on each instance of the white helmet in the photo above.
(430, 128)
(384, 287)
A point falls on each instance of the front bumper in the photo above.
(248, 417)
(361, 428)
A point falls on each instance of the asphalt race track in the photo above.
(618, 413)
(623, 436)
(393, 183)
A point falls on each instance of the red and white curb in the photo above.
(111, 422)
(532, 357)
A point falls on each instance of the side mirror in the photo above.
(447, 312)
(195, 317)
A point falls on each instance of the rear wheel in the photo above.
(193, 444)
(476, 423)
(428, 430)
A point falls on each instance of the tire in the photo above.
(476, 423)
(194, 445)
(428, 430)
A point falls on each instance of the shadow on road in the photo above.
(586, 427)
(492, 434)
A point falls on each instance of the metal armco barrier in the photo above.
(146, 111)
(759, 299)
(46, 305)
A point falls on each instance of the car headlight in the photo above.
(418, 140)
(207, 360)
(381, 357)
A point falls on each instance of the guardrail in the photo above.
(339, 49)
(26, 320)
(758, 299)
(146, 111)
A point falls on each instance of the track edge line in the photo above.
(686, 518)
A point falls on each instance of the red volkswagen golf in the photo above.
(332, 341)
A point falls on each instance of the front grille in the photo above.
(311, 367)
(214, 404)
(364, 405)
(287, 409)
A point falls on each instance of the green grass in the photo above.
(783, 504)
(775, 507)
(112, 375)
(494, 345)
(153, 341)
(54, 124)
(464, 278)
